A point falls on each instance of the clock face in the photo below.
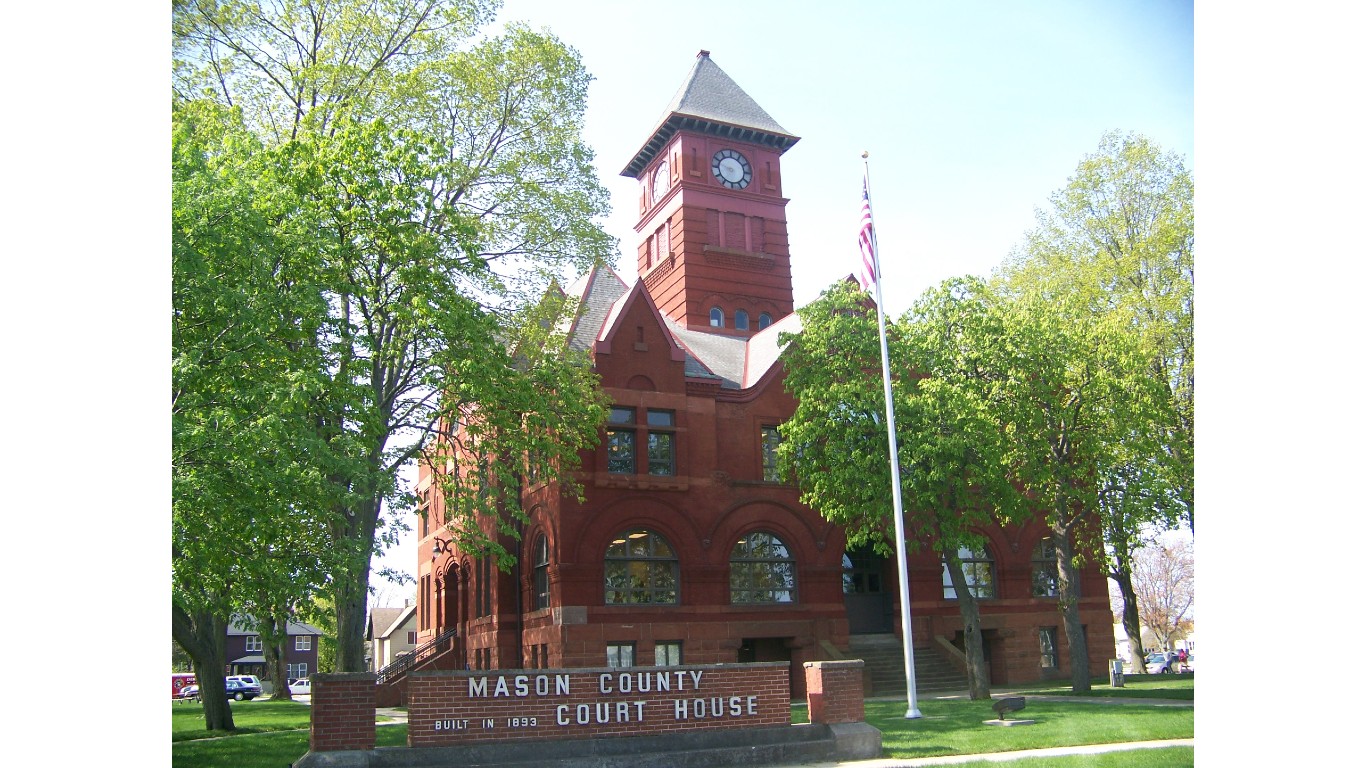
(660, 184)
(731, 169)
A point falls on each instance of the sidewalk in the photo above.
(1000, 757)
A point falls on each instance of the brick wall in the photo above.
(834, 691)
(343, 712)
(449, 708)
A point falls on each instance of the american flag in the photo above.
(867, 245)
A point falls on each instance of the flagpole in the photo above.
(908, 653)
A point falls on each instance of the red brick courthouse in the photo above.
(688, 548)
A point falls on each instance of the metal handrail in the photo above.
(407, 661)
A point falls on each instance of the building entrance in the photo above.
(867, 605)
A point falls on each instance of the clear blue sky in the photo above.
(973, 112)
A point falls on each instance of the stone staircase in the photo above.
(882, 658)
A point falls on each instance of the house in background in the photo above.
(390, 633)
(246, 651)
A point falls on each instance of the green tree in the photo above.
(247, 494)
(449, 185)
(1075, 398)
(1120, 238)
(951, 451)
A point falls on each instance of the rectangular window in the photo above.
(621, 443)
(1048, 647)
(660, 444)
(254, 642)
(621, 654)
(412, 637)
(771, 439)
(303, 643)
(669, 654)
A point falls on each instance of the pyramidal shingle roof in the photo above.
(710, 102)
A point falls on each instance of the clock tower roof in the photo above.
(710, 102)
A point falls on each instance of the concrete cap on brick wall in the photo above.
(841, 664)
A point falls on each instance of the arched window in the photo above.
(762, 570)
(765, 320)
(718, 318)
(978, 569)
(641, 569)
(1043, 569)
(741, 320)
(540, 573)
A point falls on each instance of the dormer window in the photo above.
(718, 318)
(741, 320)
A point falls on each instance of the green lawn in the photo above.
(955, 727)
(187, 718)
(1179, 686)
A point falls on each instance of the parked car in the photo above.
(239, 690)
(189, 693)
(1161, 661)
(251, 680)
(300, 687)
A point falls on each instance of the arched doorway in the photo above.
(450, 605)
(867, 603)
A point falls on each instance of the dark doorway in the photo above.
(992, 653)
(867, 603)
(754, 649)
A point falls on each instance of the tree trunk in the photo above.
(352, 586)
(276, 637)
(1132, 626)
(1069, 605)
(204, 637)
(979, 686)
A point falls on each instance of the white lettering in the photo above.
(479, 686)
(581, 715)
(734, 706)
(562, 714)
(605, 682)
(502, 688)
(603, 709)
(520, 685)
(542, 685)
(561, 685)
(753, 707)
(662, 681)
(624, 682)
(696, 679)
(680, 709)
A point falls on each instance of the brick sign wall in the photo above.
(450, 708)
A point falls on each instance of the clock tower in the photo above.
(713, 250)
